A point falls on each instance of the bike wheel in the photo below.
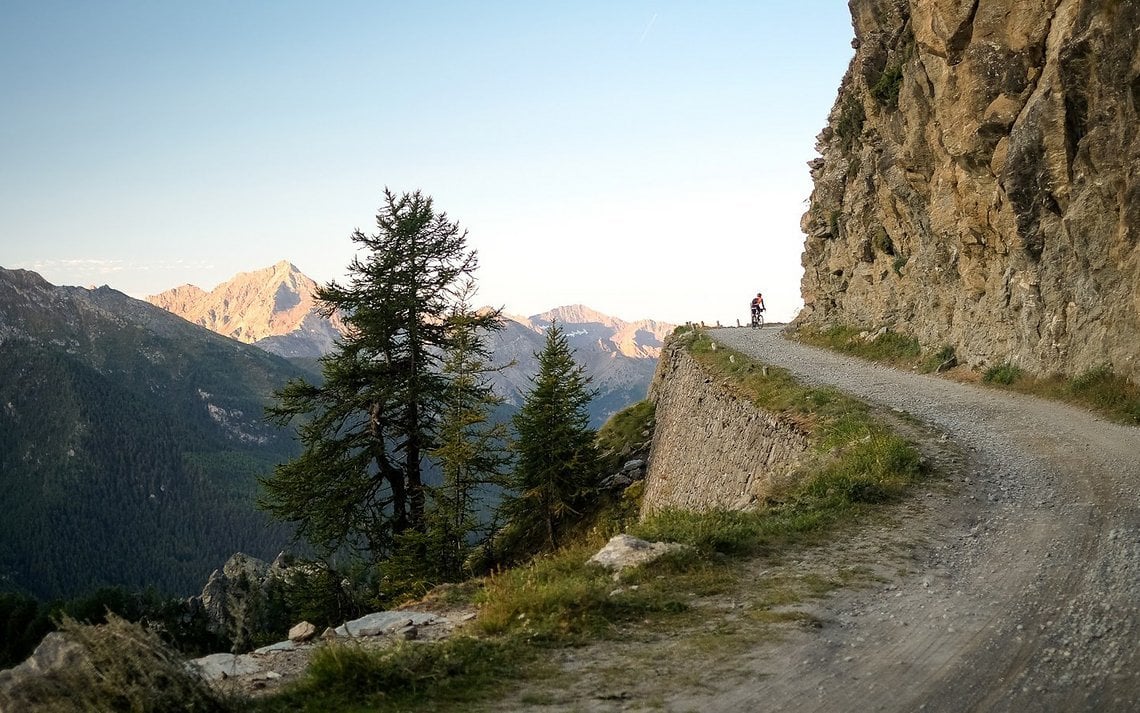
(759, 321)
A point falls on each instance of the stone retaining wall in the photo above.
(712, 448)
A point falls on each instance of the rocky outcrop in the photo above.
(978, 184)
(712, 448)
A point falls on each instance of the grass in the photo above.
(409, 676)
(1099, 390)
(889, 347)
(559, 599)
(626, 426)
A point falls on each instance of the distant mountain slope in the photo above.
(619, 356)
(274, 309)
(130, 441)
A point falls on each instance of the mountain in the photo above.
(619, 356)
(274, 309)
(130, 442)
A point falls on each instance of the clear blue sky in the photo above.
(644, 158)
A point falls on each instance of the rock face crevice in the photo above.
(979, 185)
(713, 448)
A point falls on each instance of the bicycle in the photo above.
(757, 319)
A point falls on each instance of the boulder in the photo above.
(218, 666)
(625, 551)
(55, 652)
(302, 632)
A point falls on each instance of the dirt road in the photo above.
(1013, 584)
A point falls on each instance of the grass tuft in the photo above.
(351, 677)
(1003, 374)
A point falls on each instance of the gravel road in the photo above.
(1027, 595)
(1009, 583)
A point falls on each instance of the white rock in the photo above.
(218, 666)
(624, 551)
(384, 622)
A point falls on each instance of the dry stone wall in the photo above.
(712, 448)
(978, 184)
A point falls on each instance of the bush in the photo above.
(1005, 374)
(887, 86)
(850, 123)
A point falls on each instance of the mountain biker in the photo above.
(758, 303)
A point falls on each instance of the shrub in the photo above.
(887, 86)
(850, 123)
(941, 360)
(1004, 374)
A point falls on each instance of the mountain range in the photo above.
(274, 309)
(131, 439)
(130, 442)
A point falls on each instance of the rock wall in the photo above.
(979, 184)
(712, 448)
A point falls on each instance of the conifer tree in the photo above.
(556, 459)
(472, 448)
(368, 427)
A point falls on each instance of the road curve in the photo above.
(1027, 594)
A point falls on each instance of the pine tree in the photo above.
(368, 427)
(557, 462)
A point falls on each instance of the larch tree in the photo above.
(369, 426)
(472, 447)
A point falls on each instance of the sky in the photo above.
(647, 159)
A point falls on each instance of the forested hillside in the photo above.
(130, 443)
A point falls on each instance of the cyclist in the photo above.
(757, 305)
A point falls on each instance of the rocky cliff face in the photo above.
(711, 447)
(979, 182)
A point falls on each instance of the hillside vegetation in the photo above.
(130, 443)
